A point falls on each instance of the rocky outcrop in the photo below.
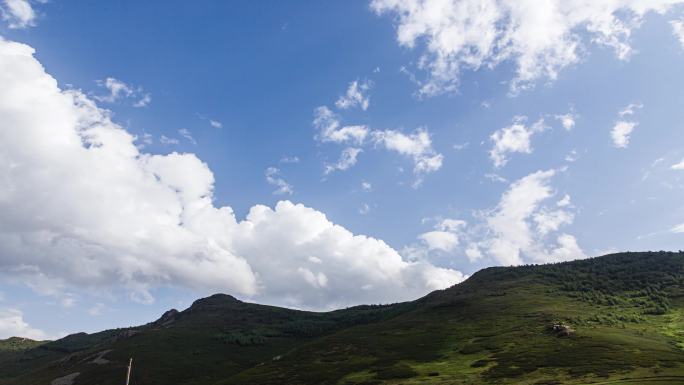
(561, 330)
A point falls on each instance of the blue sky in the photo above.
(559, 138)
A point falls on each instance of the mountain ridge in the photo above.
(585, 321)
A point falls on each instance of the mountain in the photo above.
(616, 319)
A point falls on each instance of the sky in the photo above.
(319, 155)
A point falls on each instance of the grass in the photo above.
(627, 311)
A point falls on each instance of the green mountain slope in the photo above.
(615, 319)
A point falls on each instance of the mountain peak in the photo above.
(215, 301)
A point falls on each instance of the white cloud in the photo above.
(184, 132)
(512, 139)
(365, 209)
(539, 37)
(18, 13)
(445, 236)
(145, 140)
(274, 178)
(417, 145)
(516, 230)
(564, 202)
(289, 159)
(347, 160)
(165, 140)
(621, 133)
(678, 229)
(678, 30)
(567, 250)
(215, 123)
(440, 240)
(496, 177)
(144, 101)
(12, 324)
(108, 215)
(567, 120)
(460, 146)
(355, 96)
(473, 252)
(328, 124)
(630, 109)
(119, 90)
(366, 186)
(622, 130)
(678, 166)
(572, 156)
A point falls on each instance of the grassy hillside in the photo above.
(616, 319)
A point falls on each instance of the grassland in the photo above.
(624, 314)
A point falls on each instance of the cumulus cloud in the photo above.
(520, 223)
(81, 207)
(417, 145)
(328, 125)
(274, 178)
(567, 120)
(512, 139)
(445, 236)
(119, 90)
(539, 38)
(622, 130)
(347, 160)
(355, 96)
(18, 13)
(12, 324)
(524, 227)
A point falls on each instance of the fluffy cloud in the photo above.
(18, 13)
(567, 120)
(678, 166)
(514, 138)
(678, 229)
(82, 207)
(119, 90)
(621, 132)
(12, 324)
(445, 237)
(539, 37)
(417, 145)
(520, 223)
(328, 125)
(355, 96)
(623, 127)
(522, 228)
(347, 160)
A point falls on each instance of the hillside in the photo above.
(615, 319)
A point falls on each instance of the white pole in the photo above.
(128, 375)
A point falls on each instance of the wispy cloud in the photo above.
(273, 177)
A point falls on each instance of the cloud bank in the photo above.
(82, 206)
(539, 37)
